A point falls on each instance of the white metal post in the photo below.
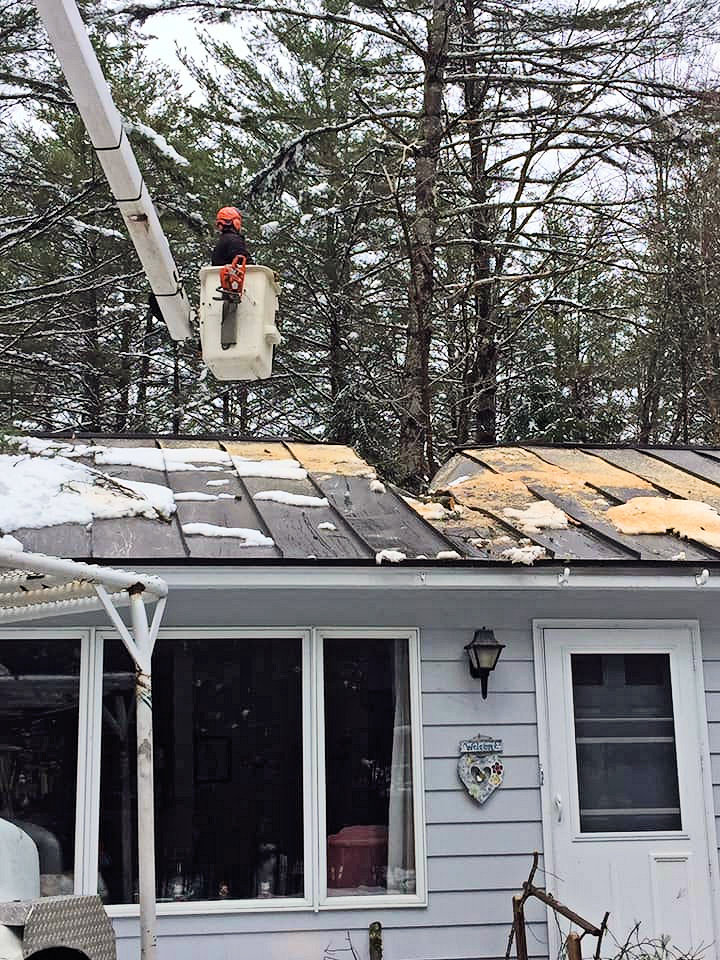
(145, 791)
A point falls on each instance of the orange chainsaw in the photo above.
(232, 285)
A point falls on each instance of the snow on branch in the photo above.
(272, 177)
(158, 141)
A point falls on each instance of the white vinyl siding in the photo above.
(477, 857)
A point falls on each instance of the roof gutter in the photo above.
(287, 577)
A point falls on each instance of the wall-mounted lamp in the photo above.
(483, 654)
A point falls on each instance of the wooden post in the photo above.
(519, 926)
(573, 946)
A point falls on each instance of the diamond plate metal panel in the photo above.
(76, 922)
(14, 914)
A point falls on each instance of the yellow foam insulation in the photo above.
(518, 464)
(185, 444)
(541, 515)
(254, 450)
(673, 479)
(428, 511)
(493, 491)
(592, 469)
(519, 469)
(691, 519)
(330, 458)
(524, 465)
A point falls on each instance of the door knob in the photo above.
(557, 800)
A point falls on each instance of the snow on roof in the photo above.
(156, 499)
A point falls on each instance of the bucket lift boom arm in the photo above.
(104, 125)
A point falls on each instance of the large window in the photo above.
(286, 770)
(39, 710)
(368, 767)
(228, 770)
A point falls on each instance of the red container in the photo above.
(357, 857)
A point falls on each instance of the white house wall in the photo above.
(478, 856)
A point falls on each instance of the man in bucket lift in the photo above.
(231, 242)
(231, 254)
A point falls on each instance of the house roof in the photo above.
(298, 501)
(595, 503)
(277, 500)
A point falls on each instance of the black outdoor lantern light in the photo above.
(483, 654)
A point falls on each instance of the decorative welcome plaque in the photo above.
(480, 766)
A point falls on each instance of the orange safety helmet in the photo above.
(229, 217)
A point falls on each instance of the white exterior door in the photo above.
(624, 782)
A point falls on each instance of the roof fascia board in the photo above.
(364, 578)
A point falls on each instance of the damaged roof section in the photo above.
(165, 499)
(582, 503)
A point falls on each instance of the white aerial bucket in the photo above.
(251, 356)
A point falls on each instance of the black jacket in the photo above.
(230, 244)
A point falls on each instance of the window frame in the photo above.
(389, 901)
(314, 842)
(86, 822)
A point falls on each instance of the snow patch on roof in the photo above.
(377, 486)
(251, 538)
(326, 525)
(525, 555)
(150, 458)
(272, 469)
(51, 448)
(197, 495)
(197, 455)
(44, 492)
(160, 496)
(448, 555)
(392, 556)
(292, 499)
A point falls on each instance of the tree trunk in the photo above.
(340, 426)
(176, 391)
(125, 378)
(415, 454)
(142, 417)
(481, 385)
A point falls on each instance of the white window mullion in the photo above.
(418, 765)
(309, 766)
(94, 760)
(319, 820)
(86, 815)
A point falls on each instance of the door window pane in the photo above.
(625, 743)
(228, 770)
(39, 697)
(368, 767)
